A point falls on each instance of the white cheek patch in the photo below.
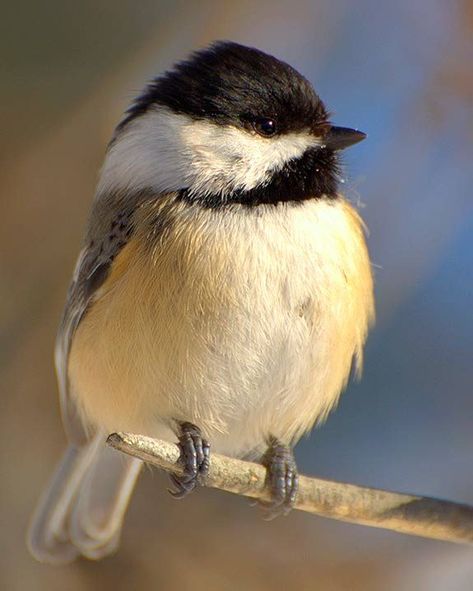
(167, 152)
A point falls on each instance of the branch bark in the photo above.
(419, 516)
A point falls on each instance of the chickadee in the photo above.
(221, 296)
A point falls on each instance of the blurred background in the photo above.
(400, 72)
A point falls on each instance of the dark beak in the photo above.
(339, 138)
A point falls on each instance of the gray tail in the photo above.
(83, 508)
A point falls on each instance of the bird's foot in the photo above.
(282, 479)
(195, 454)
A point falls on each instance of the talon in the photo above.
(195, 458)
(282, 479)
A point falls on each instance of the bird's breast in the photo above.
(232, 318)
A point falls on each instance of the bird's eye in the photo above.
(264, 126)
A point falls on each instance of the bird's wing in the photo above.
(111, 224)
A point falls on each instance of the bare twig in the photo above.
(420, 516)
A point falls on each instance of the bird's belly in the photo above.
(249, 334)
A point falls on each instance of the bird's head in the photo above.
(229, 125)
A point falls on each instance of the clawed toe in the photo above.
(282, 479)
(195, 454)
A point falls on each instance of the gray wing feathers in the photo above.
(110, 227)
(76, 305)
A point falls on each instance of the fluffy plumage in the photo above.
(244, 324)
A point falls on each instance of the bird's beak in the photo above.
(339, 138)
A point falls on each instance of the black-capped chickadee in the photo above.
(221, 296)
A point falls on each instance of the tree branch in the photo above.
(420, 516)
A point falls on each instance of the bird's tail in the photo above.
(82, 510)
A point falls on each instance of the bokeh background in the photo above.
(400, 71)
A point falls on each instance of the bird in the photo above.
(222, 296)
